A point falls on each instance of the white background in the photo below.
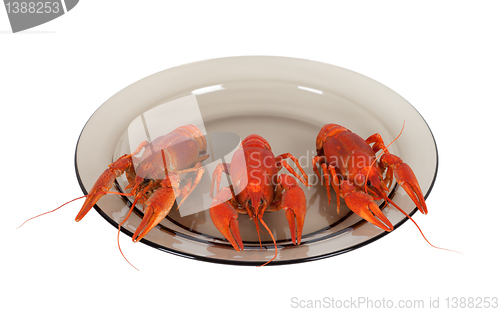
(442, 56)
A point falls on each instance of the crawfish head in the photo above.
(257, 194)
(138, 184)
(373, 177)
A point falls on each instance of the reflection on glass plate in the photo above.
(284, 100)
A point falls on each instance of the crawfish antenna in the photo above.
(119, 229)
(91, 194)
(408, 216)
(274, 241)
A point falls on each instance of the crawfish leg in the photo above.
(105, 182)
(378, 143)
(327, 171)
(190, 186)
(217, 176)
(202, 158)
(280, 161)
(335, 185)
(225, 217)
(139, 148)
(318, 161)
(291, 198)
(377, 146)
(326, 176)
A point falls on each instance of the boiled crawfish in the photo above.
(257, 188)
(155, 182)
(350, 166)
(154, 177)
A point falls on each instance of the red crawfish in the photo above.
(257, 188)
(154, 177)
(350, 166)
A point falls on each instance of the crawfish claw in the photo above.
(364, 206)
(104, 183)
(406, 178)
(225, 218)
(295, 206)
(101, 187)
(155, 210)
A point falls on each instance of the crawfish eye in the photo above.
(262, 201)
(249, 202)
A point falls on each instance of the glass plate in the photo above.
(286, 101)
